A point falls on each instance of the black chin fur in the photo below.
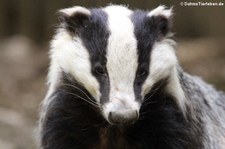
(71, 123)
(162, 125)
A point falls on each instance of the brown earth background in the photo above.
(27, 26)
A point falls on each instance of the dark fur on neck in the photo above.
(72, 123)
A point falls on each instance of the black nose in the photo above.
(124, 117)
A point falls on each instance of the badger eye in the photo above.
(142, 73)
(100, 71)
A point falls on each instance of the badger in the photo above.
(115, 83)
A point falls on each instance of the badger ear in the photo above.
(161, 19)
(74, 17)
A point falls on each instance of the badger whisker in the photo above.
(83, 92)
(77, 96)
(142, 113)
(154, 91)
(149, 99)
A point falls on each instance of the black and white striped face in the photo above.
(116, 54)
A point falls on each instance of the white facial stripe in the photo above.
(174, 88)
(72, 57)
(121, 59)
(162, 60)
(163, 64)
(121, 51)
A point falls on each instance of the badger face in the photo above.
(115, 53)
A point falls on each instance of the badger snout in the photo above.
(121, 111)
(123, 117)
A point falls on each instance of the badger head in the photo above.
(117, 55)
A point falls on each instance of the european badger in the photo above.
(115, 83)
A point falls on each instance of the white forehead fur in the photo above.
(72, 10)
(161, 11)
(69, 55)
(122, 47)
(121, 55)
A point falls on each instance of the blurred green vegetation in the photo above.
(37, 19)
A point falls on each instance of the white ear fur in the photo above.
(76, 9)
(161, 11)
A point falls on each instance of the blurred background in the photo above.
(26, 26)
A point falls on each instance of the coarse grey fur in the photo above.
(207, 107)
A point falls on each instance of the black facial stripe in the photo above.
(71, 86)
(95, 38)
(146, 37)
